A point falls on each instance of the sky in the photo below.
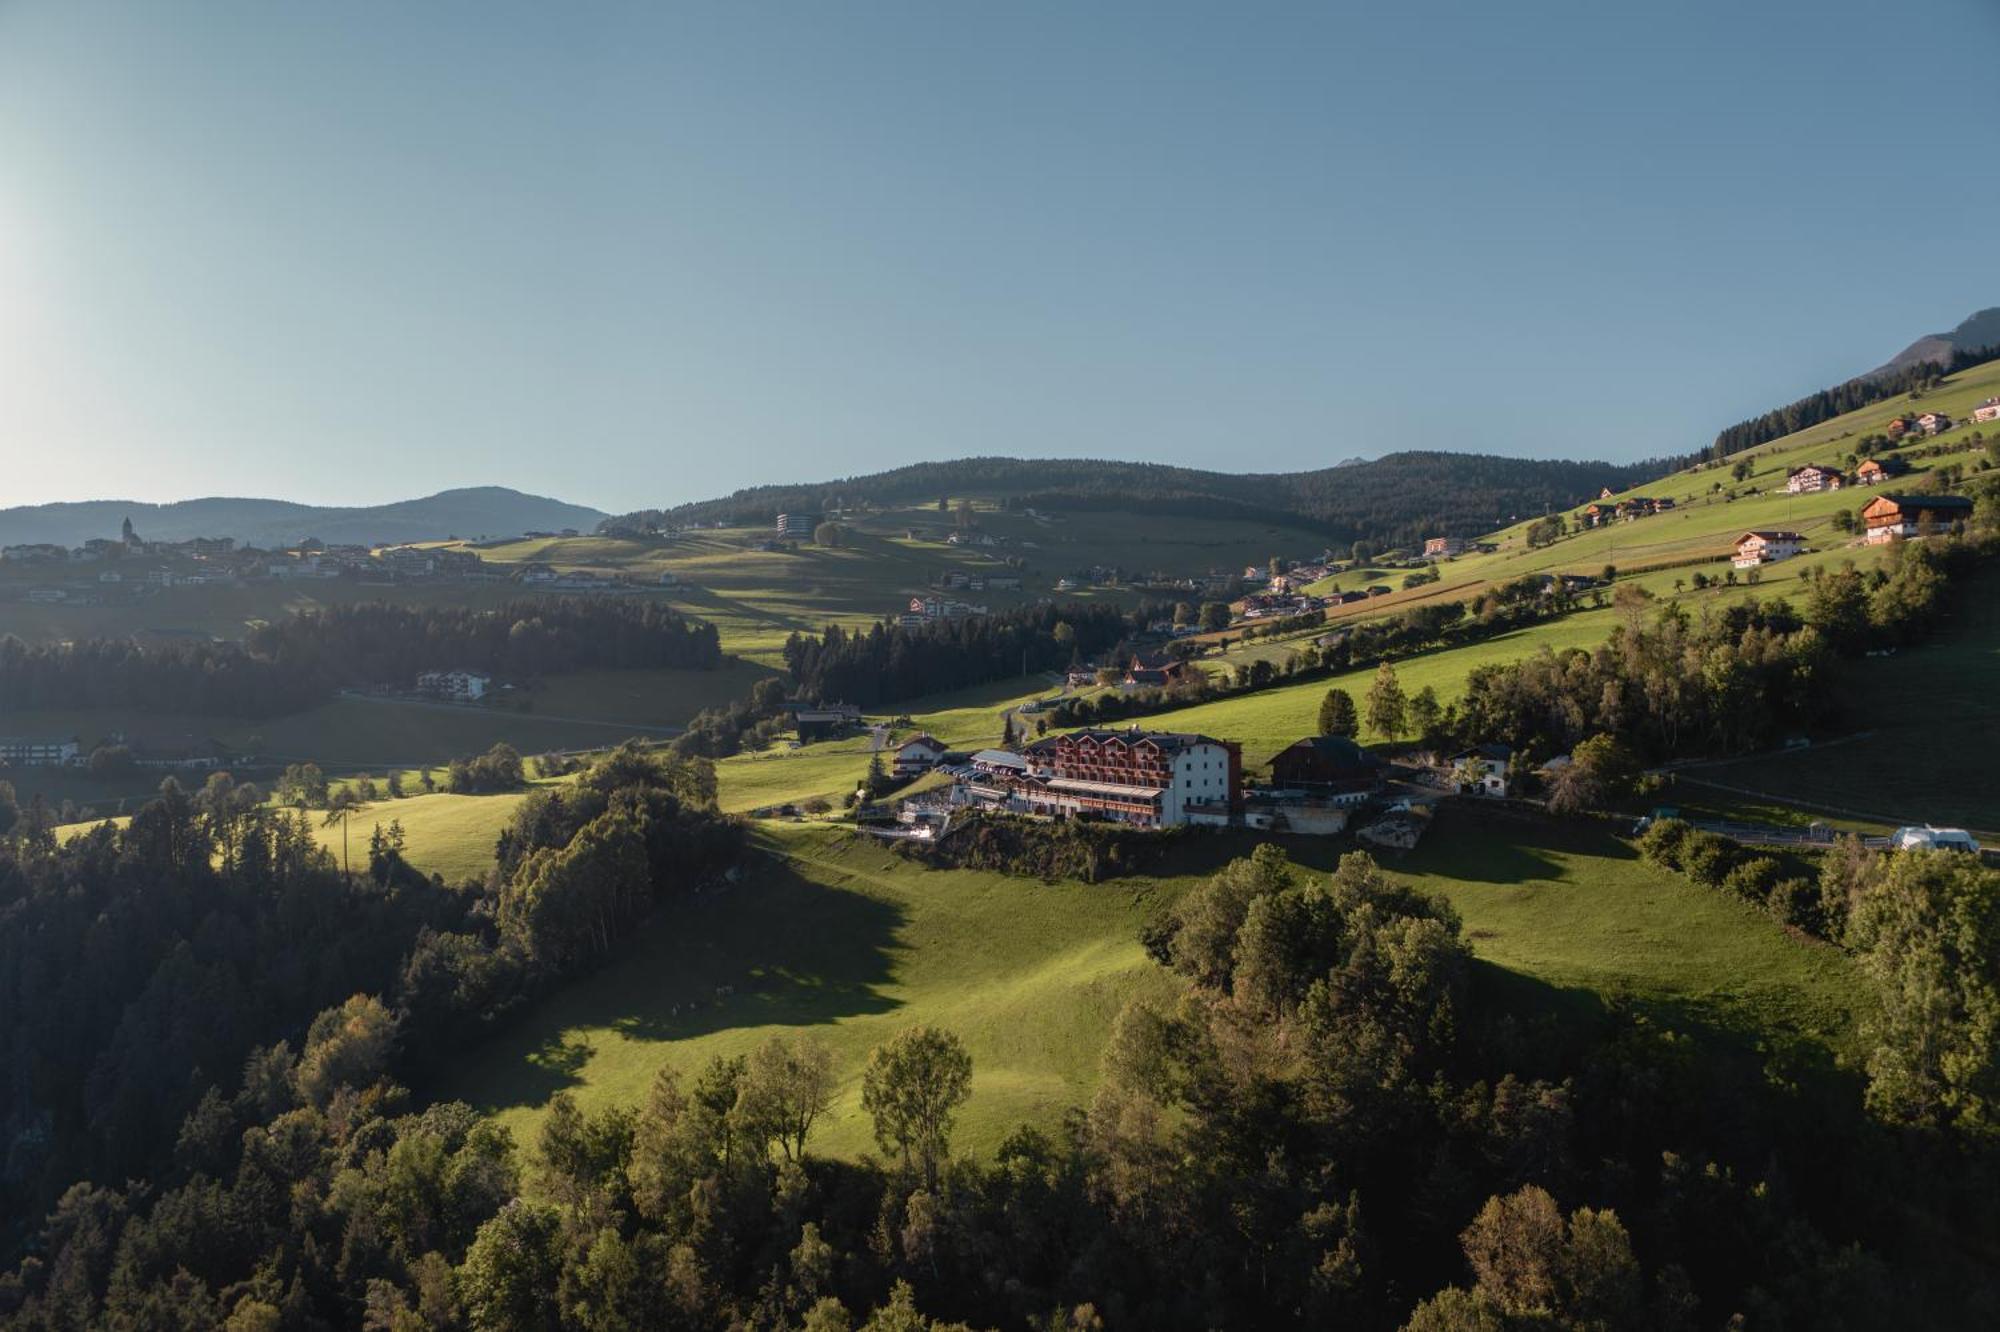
(633, 255)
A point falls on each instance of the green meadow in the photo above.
(840, 937)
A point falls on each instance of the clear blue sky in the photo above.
(632, 255)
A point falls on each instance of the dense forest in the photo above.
(1843, 398)
(291, 664)
(1394, 500)
(142, 967)
(1343, 1119)
(889, 663)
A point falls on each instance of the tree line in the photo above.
(294, 663)
(1740, 678)
(889, 662)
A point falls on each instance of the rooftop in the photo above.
(1168, 740)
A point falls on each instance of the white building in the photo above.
(22, 752)
(1755, 548)
(1490, 763)
(1812, 478)
(919, 753)
(458, 686)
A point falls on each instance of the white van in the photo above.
(1928, 838)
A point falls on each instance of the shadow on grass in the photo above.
(1543, 1029)
(1478, 843)
(776, 949)
(701, 599)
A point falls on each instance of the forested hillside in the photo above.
(1888, 382)
(1396, 499)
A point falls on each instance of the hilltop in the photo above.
(476, 511)
(1395, 499)
(1978, 330)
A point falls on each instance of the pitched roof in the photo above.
(1926, 501)
(1337, 748)
(1168, 740)
(1498, 753)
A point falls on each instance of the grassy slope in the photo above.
(846, 940)
(758, 598)
(1930, 720)
(1705, 524)
(452, 835)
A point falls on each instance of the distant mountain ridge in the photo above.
(479, 511)
(1973, 333)
(1396, 499)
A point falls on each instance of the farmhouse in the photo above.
(920, 753)
(1489, 762)
(1987, 411)
(455, 686)
(820, 721)
(1332, 764)
(1150, 670)
(1812, 477)
(1444, 546)
(26, 752)
(1875, 471)
(1900, 426)
(1755, 548)
(1892, 517)
(1934, 423)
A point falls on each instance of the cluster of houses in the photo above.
(548, 578)
(102, 567)
(1884, 518)
(1174, 779)
(1931, 423)
(1141, 670)
(1814, 478)
(1607, 510)
(1147, 779)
